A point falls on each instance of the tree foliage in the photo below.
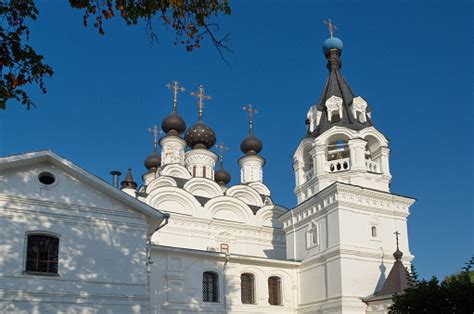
(20, 65)
(455, 294)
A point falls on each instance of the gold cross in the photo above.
(222, 148)
(176, 88)
(251, 111)
(154, 130)
(331, 27)
(201, 97)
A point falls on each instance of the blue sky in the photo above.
(411, 61)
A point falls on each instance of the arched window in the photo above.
(194, 171)
(42, 254)
(274, 290)
(204, 172)
(374, 231)
(210, 292)
(247, 287)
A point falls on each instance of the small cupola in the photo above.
(173, 124)
(200, 160)
(251, 145)
(200, 136)
(222, 176)
(251, 164)
(153, 161)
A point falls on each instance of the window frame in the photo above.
(312, 235)
(252, 283)
(280, 292)
(215, 290)
(49, 234)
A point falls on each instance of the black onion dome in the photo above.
(200, 136)
(222, 177)
(173, 123)
(251, 145)
(153, 161)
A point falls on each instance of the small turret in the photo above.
(128, 185)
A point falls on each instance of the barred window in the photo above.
(247, 287)
(274, 290)
(210, 287)
(42, 254)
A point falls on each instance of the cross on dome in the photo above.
(222, 148)
(396, 233)
(251, 112)
(176, 88)
(154, 130)
(201, 96)
(331, 27)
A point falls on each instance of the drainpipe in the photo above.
(166, 216)
(227, 257)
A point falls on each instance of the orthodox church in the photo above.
(185, 241)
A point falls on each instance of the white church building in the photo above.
(186, 242)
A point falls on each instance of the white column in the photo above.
(357, 151)
(320, 159)
(172, 150)
(384, 160)
(251, 168)
(201, 163)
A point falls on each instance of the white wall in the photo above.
(177, 281)
(101, 247)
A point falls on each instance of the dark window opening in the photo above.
(46, 178)
(42, 254)
(210, 287)
(274, 290)
(247, 287)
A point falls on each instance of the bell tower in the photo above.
(342, 227)
(341, 143)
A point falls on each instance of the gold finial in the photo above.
(331, 27)
(176, 88)
(201, 96)
(222, 148)
(251, 111)
(154, 130)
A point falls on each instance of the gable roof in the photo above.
(29, 158)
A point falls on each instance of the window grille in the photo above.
(42, 254)
(210, 287)
(274, 290)
(247, 287)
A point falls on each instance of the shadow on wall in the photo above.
(382, 276)
(101, 250)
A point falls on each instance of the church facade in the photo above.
(186, 242)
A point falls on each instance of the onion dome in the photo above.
(153, 161)
(222, 177)
(251, 145)
(173, 124)
(332, 43)
(128, 182)
(200, 136)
